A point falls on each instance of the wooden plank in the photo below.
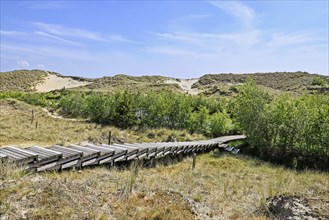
(23, 152)
(103, 150)
(85, 151)
(66, 152)
(17, 157)
(2, 156)
(105, 153)
(70, 157)
(118, 156)
(45, 155)
(89, 156)
(11, 155)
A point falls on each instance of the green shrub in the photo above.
(317, 81)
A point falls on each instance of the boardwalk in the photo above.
(58, 157)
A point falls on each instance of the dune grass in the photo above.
(21, 80)
(221, 186)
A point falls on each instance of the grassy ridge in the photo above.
(209, 85)
(21, 80)
(283, 81)
(131, 83)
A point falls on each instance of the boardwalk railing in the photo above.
(58, 157)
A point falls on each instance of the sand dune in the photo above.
(185, 84)
(54, 82)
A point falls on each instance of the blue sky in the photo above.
(182, 39)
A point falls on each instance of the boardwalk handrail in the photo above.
(59, 157)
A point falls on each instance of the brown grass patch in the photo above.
(221, 187)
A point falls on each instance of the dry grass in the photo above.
(222, 187)
(16, 129)
(296, 82)
(132, 84)
(21, 80)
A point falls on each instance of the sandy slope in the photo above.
(53, 82)
(185, 84)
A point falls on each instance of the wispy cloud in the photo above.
(79, 33)
(12, 33)
(208, 44)
(214, 41)
(237, 9)
(284, 39)
(57, 39)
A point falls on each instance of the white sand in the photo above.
(185, 84)
(53, 82)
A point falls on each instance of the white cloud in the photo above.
(79, 33)
(57, 39)
(23, 63)
(284, 39)
(237, 9)
(12, 33)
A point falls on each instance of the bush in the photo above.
(286, 129)
(317, 81)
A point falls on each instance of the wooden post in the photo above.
(32, 118)
(110, 137)
(194, 161)
(36, 125)
(152, 161)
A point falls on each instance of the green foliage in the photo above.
(125, 110)
(286, 129)
(153, 110)
(220, 124)
(39, 99)
(250, 113)
(73, 104)
(317, 81)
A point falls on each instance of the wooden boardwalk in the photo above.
(58, 157)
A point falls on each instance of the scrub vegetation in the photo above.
(286, 123)
(221, 187)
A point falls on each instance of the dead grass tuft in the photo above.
(222, 187)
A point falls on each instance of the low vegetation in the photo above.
(287, 129)
(282, 126)
(17, 127)
(296, 82)
(130, 83)
(221, 187)
(21, 80)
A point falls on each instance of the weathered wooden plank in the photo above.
(2, 156)
(45, 155)
(17, 157)
(66, 152)
(70, 157)
(89, 156)
(23, 152)
(105, 153)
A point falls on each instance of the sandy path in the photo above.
(53, 82)
(185, 84)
